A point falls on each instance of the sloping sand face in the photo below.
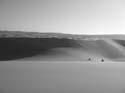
(60, 49)
(108, 49)
(61, 65)
(96, 50)
(18, 48)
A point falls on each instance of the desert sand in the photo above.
(64, 77)
(59, 63)
(23, 46)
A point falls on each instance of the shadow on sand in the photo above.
(17, 48)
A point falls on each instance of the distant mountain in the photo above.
(21, 34)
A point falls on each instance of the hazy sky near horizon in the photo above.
(67, 16)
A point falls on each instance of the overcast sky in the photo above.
(67, 16)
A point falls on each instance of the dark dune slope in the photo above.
(17, 48)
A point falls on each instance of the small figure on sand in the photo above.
(102, 60)
(89, 59)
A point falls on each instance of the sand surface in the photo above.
(62, 48)
(64, 77)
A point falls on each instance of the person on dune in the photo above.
(102, 60)
(89, 59)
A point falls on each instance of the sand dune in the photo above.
(96, 50)
(18, 75)
(60, 47)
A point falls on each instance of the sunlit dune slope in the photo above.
(107, 48)
(59, 47)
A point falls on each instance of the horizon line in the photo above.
(59, 32)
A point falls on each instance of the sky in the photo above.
(65, 16)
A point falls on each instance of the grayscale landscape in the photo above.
(31, 46)
(33, 62)
(62, 46)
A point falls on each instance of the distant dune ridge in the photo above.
(34, 46)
